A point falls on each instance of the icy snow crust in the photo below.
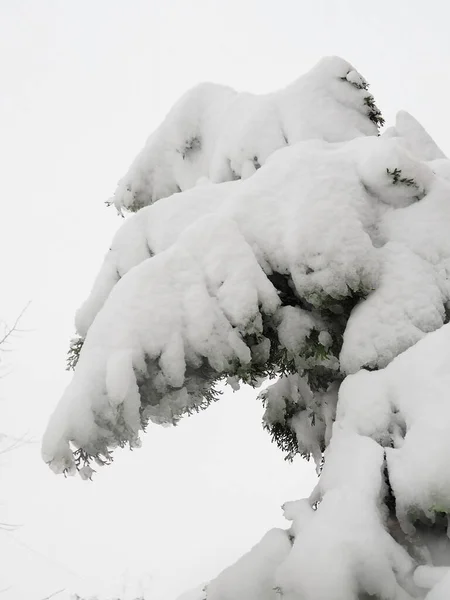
(327, 259)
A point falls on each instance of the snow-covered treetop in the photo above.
(218, 133)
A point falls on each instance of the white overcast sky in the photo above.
(83, 82)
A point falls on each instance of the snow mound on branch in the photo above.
(265, 209)
(415, 138)
(397, 406)
(385, 420)
(216, 132)
(252, 576)
(345, 537)
(441, 590)
(199, 593)
(433, 578)
(408, 309)
(149, 232)
(193, 301)
(191, 288)
(291, 403)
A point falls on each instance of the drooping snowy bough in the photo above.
(281, 236)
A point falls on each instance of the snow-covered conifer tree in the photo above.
(281, 236)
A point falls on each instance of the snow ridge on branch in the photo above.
(215, 132)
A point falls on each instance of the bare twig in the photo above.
(5, 589)
(14, 328)
(54, 594)
(9, 526)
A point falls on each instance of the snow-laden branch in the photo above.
(184, 301)
(390, 438)
(216, 132)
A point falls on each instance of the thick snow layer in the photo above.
(441, 590)
(408, 403)
(278, 211)
(149, 232)
(397, 419)
(216, 132)
(184, 304)
(415, 138)
(314, 412)
(188, 288)
(199, 593)
(408, 303)
(252, 577)
(426, 577)
(265, 209)
(342, 549)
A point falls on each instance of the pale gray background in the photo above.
(83, 82)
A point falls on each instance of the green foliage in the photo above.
(314, 349)
(286, 291)
(389, 497)
(335, 307)
(374, 113)
(442, 509)
(73, 353)
(84, 459)
(320, 378)
(360, 86)
(397, 178)
(201, 382)
(314, 359)
(334, 313)
(282, 434)
(137, 203)
(278, 591)
(192, 145)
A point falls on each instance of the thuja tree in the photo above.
(282, 237)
